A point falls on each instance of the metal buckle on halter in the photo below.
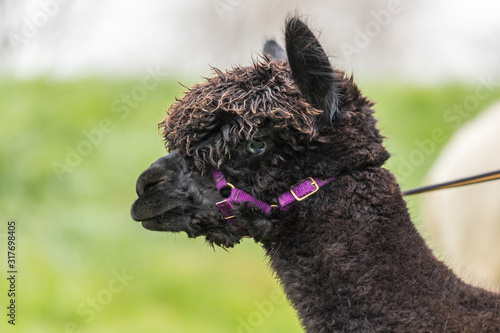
(313, 183)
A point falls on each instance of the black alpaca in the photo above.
(348, 255)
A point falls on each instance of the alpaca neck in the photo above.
(357, 257)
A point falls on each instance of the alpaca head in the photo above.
(267, 126)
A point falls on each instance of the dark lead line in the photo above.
(455, 183)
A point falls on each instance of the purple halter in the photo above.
(297, 192)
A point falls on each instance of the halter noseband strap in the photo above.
(297, 192)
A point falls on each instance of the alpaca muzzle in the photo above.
(160, 179)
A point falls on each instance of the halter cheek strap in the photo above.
(298, 192)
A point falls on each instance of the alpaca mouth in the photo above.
(158, 224)
(151, 224)
(171, 219)
(140, 212)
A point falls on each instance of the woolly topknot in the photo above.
(229, 107)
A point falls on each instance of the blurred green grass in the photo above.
(74, 234)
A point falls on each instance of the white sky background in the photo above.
(424, 40)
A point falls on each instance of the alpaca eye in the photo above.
(257, 146)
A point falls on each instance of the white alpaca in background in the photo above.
(463, 224)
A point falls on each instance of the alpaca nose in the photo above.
(150, 178)
(161, 171)
(153, 176)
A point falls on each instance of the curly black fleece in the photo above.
(348, 257)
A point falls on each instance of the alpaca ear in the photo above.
(311, 69)
(274, 51)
